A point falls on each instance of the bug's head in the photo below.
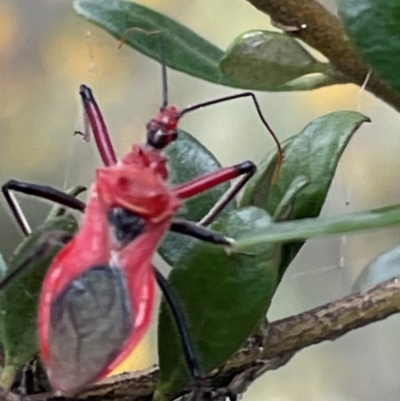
(162, 130)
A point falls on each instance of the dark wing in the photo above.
(89, 323)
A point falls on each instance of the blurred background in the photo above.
(46, 52)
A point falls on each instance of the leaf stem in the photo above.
(317, 227)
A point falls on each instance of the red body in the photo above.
(83, 333)
(98, 295)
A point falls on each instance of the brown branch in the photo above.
(281, 340)
(325, 32)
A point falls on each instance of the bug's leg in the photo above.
(26, 382)
(244, 170)
(192, 229)
(247, 170)
(41, 191)
(98, 126)
(180, 319)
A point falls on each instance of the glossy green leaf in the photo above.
(223, 297)
(189, 159)
(284, 208)
(265, 60)
(19, 299)
(303, 229)
(188, 52)
(282, 213)
(258, 188)
(314, 153)
(374, 26)
(382, 268)
(184, 50)
(311, 159)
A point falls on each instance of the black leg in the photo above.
(247, 170)
(180, 319)
(41, 191)
(199, 231)
(27, 380)
(192, 229)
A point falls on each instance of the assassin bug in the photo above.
(98, 295)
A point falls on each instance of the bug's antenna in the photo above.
(163, 73)
(162, 58)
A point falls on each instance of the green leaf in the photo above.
(258, 188)
(264, 60)
(284, 208)
(184, 50)
(382, 268)
(223, 297)
(311, 159)
(189, 159)
(374, 26)
(282, 212)
(303, 229)
(314, 154)
(19, 300)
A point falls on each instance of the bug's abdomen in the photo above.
(89, 321)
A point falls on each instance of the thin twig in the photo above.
(281, 341)
(309, 21)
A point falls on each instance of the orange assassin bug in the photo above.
(98, 296)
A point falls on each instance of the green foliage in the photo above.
(184, 50)
(189, 159)
(213, 287)
(295, 230)
(311, 159)
(313, 153)
(265, 60)
(259, 60)
(225, 295)
(19, 300)
(374, 26)
(224, 298)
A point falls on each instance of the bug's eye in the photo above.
(158, 136)
(156, 139)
